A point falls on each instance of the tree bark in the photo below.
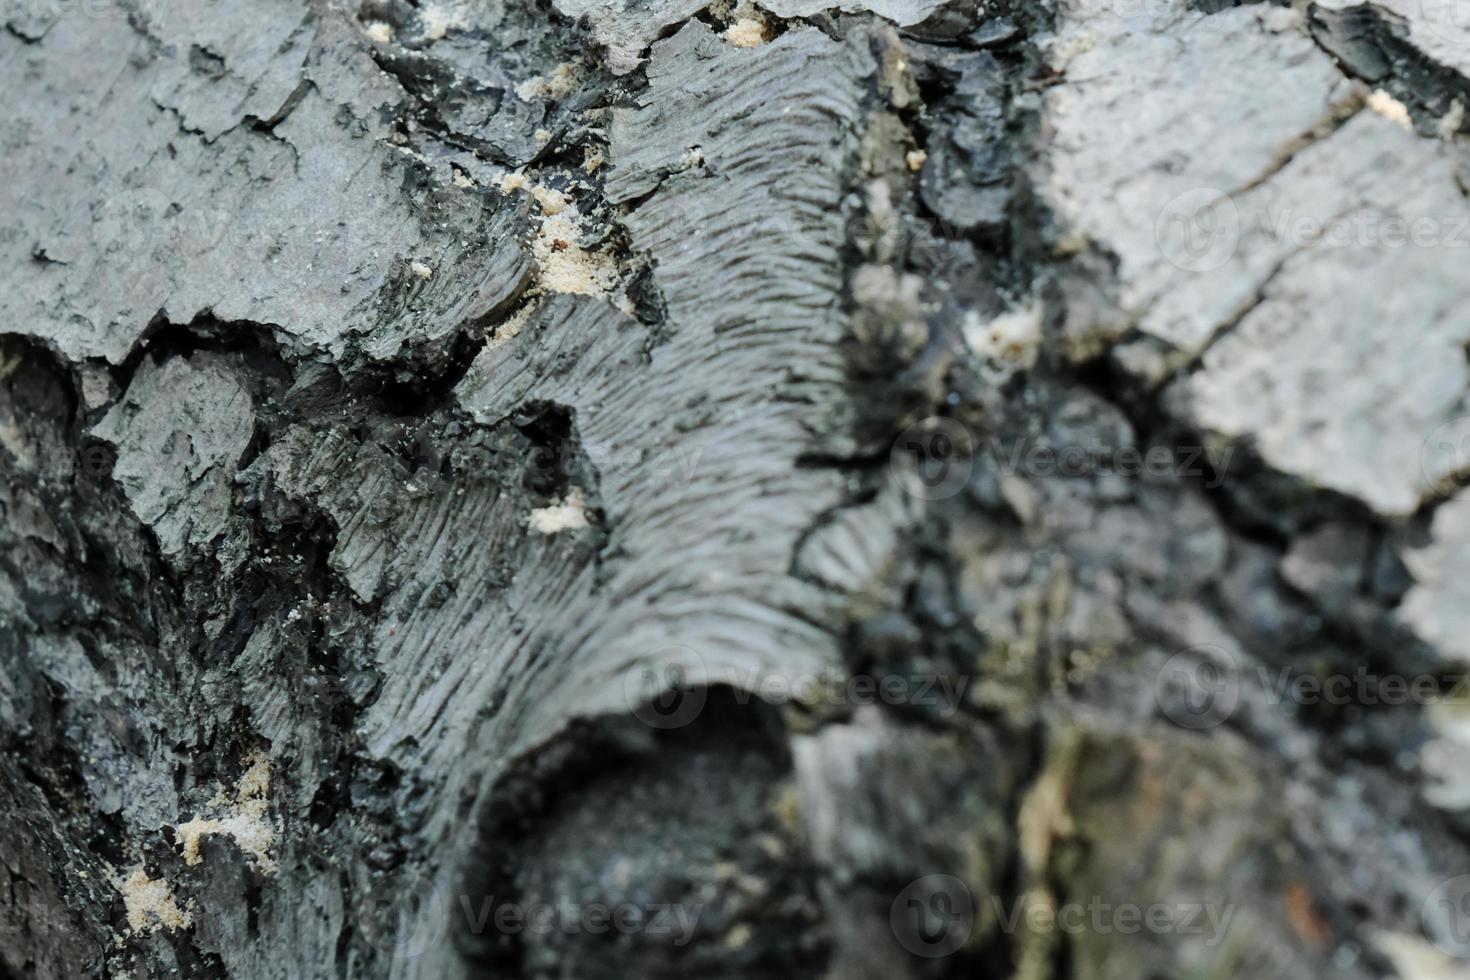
(868, 488)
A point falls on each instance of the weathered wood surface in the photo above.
(759, 463)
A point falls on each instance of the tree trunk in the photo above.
(797, 488)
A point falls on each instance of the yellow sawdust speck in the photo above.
(511, 328)
(748, 28)
(747, 32)
(567, 267)
(1013, 337)
(916, 159)
(552, 201)
(549, 199)
(1452, 121)
(149, 903)
(437, 23)
(1390, 108)
(568, 515)
(738, 937)
(245, 819)
(558, 84)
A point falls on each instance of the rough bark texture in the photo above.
(835, 483)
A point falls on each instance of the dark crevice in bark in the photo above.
(1372, 44)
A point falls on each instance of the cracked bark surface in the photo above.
(461, 456)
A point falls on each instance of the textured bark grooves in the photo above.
(843, 488)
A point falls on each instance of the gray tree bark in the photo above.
(869, 488)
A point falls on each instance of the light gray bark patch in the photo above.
(696, 443)
(315, 225)
(627, 27)
(1207, 128)
(180, 430)
(1280, 252)
(1437, 608)
(758, 210)
(756, 205)
(1368, 232)
(855, 548)
(904, 13)
(232, 64)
